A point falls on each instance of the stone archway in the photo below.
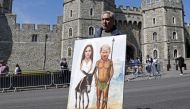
(130, 52)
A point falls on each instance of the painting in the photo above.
(97, 76)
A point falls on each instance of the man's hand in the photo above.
(108, 82)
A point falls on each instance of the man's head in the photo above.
(105, 51)
(107, 20)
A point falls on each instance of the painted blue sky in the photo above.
(46, 11)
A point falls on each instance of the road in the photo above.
(170, 93)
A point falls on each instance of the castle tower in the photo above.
(81, 18)
(5, 6)
(163, 29)
(6, 21)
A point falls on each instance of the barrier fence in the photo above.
(49, 79)
(131, 68)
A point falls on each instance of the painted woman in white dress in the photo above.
(86, 61)
(84, 86)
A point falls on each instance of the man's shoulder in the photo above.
(97, 62)
(98, 32)
(116, 32)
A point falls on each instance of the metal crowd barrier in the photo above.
(25, 80)
(130, 68)
(62, 77)
(49, 79)
(5, 82)
(135, 71)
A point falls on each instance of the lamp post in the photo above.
(168, 65)
(44, 64)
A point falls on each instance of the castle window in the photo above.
(130, 23)
(135, 23)
(155, 53)
(125, 23)
(174, 21)
(69, 51)
(70, 32)
(154, 38)
(91, 12)
(91, 31)
(120, 23)
(154, 20)
(71, 13)
(34, 37)
(139, 25)
(174, 35)
(175, 53)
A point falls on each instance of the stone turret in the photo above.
(153, 4)
(81, 18)
(163, 29)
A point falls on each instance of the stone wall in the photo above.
(17, 45)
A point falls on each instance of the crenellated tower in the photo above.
(80, 20)
(163, 29)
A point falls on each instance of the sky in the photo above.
(46, 11)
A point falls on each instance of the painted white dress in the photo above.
(86, 66)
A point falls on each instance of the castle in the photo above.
(31, 46)
(156, 29)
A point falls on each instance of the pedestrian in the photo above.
(4, 68)
(181, 64)
(108, 27)
(136, 66)
(0, 68)
(155, 66)
(64, 73)
(149, 61)
(18, 70)
(63, 64)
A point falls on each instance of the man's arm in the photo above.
(95, 73)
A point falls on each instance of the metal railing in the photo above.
(49, 79)
(140, 70)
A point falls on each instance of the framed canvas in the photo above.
(97, 76)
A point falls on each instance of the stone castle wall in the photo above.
(16, 44)
(28, 54)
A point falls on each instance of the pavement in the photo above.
(172, 73)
